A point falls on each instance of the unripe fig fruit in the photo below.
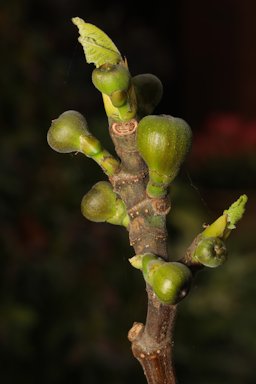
(163, 142)
(118, 98)
(171, 282)
(109, 78)
(149, 91)
(101, 204)
(211, 252)
(69, 133)
(150, 263)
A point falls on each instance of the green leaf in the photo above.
(98, 47)
(236, 211)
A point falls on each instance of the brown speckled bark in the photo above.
(152, 342)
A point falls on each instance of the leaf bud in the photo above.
(102, 204)
(217, 228)
(69, 133)
(163, 142)
(171, 282)
(136, 261)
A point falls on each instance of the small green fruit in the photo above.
(163, 142)
(150, 263)
(211, 252)
(171, 282)
(69, 133)
(149, 91)
(102, 204)
(109, 78)
(118, 98)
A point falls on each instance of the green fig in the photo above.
(150, 263)
(171, 282)
(149, 91)
(121, 105)
(109, 78)
(211, 252)
(69, 133)
(102, 204)
(118, 98)
(114, 82)
(163, 142)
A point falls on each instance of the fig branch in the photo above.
(150, 150)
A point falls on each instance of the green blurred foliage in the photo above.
(68, 295)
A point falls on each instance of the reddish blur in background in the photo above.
(68, 295)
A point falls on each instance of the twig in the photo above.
(152, 343)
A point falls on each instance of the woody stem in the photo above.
(152, 342)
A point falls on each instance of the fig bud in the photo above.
(149, 91)
(109, 78)
(118, 98)
(102, 204)
(171, 282)
(69, 133)
(163, 142)
(150, 263)
(210, 252)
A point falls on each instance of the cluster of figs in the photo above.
(162, 141)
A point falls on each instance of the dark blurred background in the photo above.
(68, 295)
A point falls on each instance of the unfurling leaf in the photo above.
(222, 227)
(99, 49)
(236, 211)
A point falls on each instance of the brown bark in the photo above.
(152, 343)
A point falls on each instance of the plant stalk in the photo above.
(151, 343)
